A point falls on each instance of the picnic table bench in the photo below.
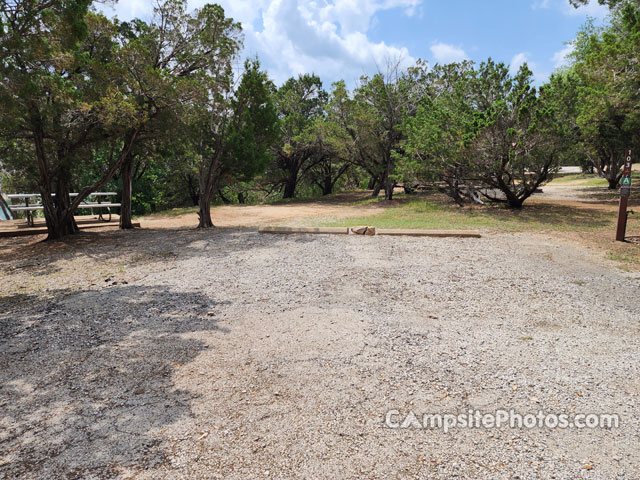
(31, 202)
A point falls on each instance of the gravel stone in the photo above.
(233, 355)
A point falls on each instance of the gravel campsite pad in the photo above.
(229, 354)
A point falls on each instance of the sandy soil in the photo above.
(336, 207)
(233, 355)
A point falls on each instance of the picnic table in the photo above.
(32, 202)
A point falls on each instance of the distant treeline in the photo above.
(158, 111)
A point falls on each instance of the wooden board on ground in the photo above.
(429, 233)
(318, 230)
(345, 230)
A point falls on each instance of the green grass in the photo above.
(586, 180)
(628, 257)
(430, 214)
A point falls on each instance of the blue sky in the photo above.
(343, 39)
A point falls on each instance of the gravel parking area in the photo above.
(231, 355)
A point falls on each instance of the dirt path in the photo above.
(192, 354)
(576, 196)
(338, 206)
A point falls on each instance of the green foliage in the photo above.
(374, 120)
(253, 126)
(299, 102)
(607, 90)
(88, 102)
(439, 134)
(484, 132)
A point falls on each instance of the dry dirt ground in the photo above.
(336, 207)
(577, 196)
(185, 354)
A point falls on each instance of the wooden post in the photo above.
(625, 192)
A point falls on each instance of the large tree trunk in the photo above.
(126, 214)
(204, 213)
(388, 189)
(515, 203)
(327, 185)
(513, 200)
(59, 219)
(207, 187)
(61, 227)
(208, 179)
(290, 187)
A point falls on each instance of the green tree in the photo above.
(299, 102)
(485, 132)
(175, 63)
(334, 145)
(379, 106)
(607, 94)
(60, 93)
(515, 149)
(236, 143)
(253, 127)
(439, 135)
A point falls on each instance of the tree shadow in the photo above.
(605, 195)
(554, 216)
(86, 379)
(37, 257)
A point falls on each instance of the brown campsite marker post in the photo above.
(625, 192)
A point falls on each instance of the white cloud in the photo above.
(329, 38)
(128, 9)
(592, 9)
(541, 4)
(560, 58)
(444, 53)
(519, 59)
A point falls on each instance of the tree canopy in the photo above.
(162, 111)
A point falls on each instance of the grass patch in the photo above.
(431, 214)
(587, 180)
(629, 257)
(581, 180)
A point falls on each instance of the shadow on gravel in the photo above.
(35, 257)
(86, 381)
